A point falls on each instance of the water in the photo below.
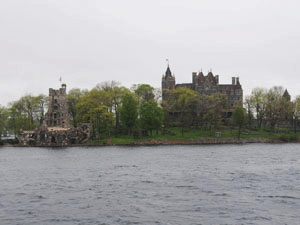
(212, 184)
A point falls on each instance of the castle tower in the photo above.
(167, 82)
(57, 115)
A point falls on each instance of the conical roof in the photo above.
(168, 73)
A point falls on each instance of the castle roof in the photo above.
(168, 73)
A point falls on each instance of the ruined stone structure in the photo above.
(56, 129)
(206, 85)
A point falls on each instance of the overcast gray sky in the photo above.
(88, 42)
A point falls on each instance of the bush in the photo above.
(288, 138)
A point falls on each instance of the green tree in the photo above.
(73, 97)
(116, 93)
(14, 120)
(258, 101)
(101, 120)
(145, 92)
(93, 108)
(296, 112)
(3, 120)
(129, 111)
(240, 118)
(181, 106)
(217, 103)
(275, 107)
(29, 111)
(151, 116)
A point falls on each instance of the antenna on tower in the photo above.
(168, 61)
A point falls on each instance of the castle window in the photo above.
(55, 101)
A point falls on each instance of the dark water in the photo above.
(222, 184)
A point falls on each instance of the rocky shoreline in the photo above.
(154, 142)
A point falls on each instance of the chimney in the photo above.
(217, 79)
(233, 80)
(237, 80)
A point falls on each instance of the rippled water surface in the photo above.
(216, 184)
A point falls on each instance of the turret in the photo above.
(233, 80)
(168, 80)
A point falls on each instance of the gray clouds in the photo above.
(87, 42)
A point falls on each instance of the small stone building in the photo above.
(56, 129)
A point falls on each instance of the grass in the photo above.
(175, 134)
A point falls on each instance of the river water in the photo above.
(205, 184)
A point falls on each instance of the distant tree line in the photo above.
(272, 107)
(112, 109)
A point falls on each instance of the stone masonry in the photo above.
(56, 129)
(207, 85)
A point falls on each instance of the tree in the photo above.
(42, 102)
(275, 107)
(151, 116)
(3, 120)
(145, 92)
(107, 85)
(217, 103)
(296, 112)
(73, 97)
(101, 120)
(181, 106)
(116, 93)
(240, 118)
(248, 106)
(258, 101)
(129, 111)
(116, 97)
(14, 122)
(93, 108)
(29, 111)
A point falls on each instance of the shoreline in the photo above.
(154, 142)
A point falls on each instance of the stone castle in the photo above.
(207, 85)
(56, 129)
(57, 114)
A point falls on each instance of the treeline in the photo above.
(112, 109)
(272, 107)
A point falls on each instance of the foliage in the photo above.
(240, 118)
(151, 116)
(181, 105)
(28, 112)
(289, 138)
(145, 92)
(3, 120)
(73, 97)
(129, 111)
(94, 108)
(217, 103)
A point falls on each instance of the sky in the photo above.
(92, 41)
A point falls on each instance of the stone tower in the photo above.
(57, 115)
(167, 82)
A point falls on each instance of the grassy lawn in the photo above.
(197, 133)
